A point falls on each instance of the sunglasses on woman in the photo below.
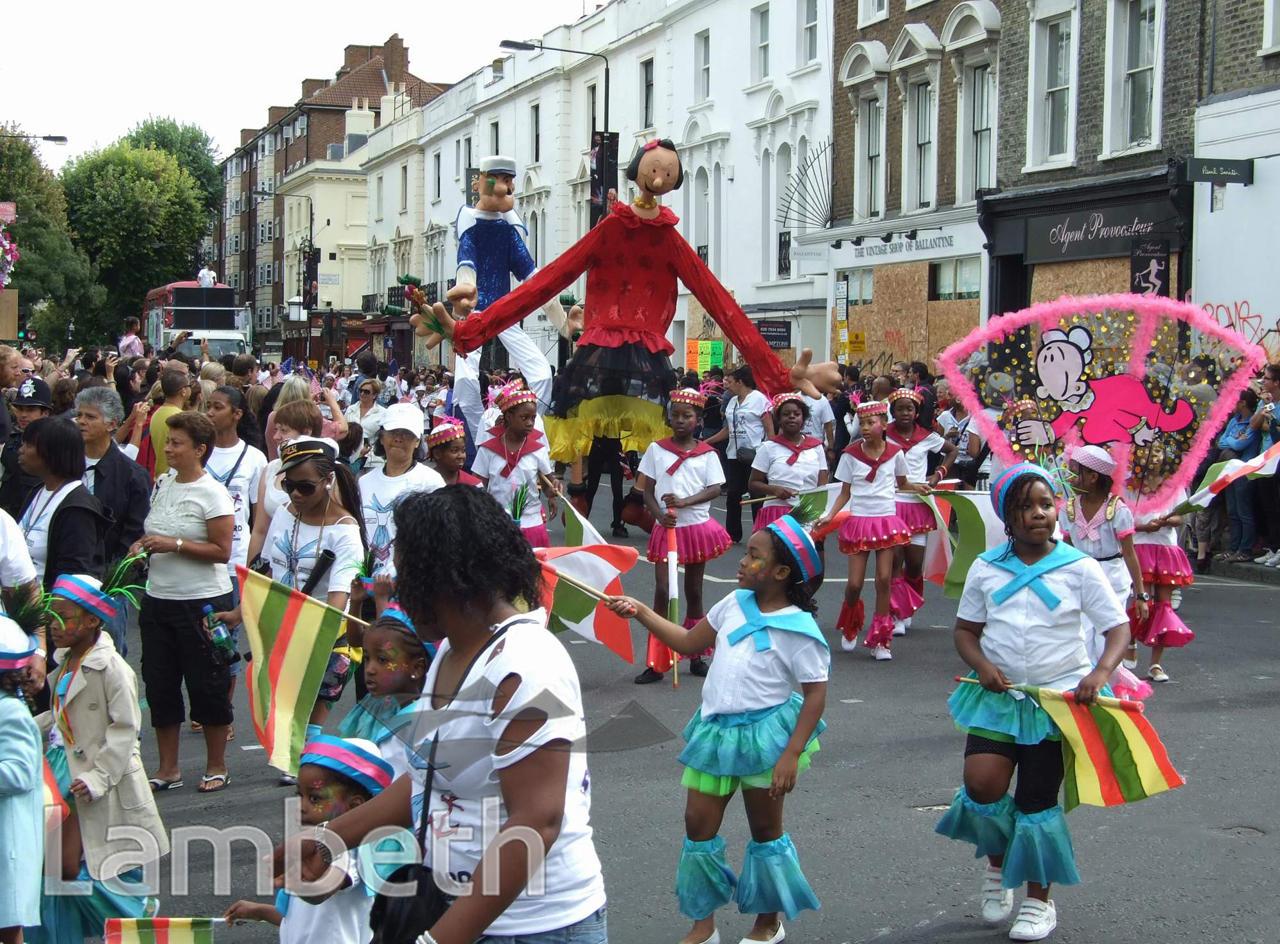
(366, 391)
(303, 488)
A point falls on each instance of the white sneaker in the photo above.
(899, 627)
(997, 901)
(906, 623)
(882, 653)
(714, 939)
(1130, 664)
(847, 644)
(1175, 600)
(1266, 559)
(1157, 674)
(1035, 922)
(779, 936)
(1275, 561)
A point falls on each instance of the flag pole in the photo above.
(673, 595)
(573, 582)
(1102, 701)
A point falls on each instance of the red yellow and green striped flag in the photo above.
(160, 930)
(291, 636)
(1112, 754)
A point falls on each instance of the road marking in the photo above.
(720, 579)
(851, 701)
(1262, 678)
(1225, 582)
(250, 747)
(577, 642)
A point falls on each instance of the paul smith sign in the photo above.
(1095, 234)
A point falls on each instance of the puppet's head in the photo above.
(656, 168)
(1061, 362)
(496, 185)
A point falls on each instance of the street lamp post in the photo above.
(58, 139)
(607, 167)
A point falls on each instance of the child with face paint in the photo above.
(1012, 630)
(872, 470)
(516, 456)
(788, 464)
(906, 592)
(447, 448)
(336, 775)
(682, 475)
(752, 730)
(1102, 525)
(91, 736)
(1165, 567)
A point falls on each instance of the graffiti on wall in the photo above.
(1254, 325)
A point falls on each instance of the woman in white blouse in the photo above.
(369, 413)
(747, 423)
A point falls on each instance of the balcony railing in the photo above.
(703, 253)
(371, 304)
(395, 295)
(432, 291)
(784, 254)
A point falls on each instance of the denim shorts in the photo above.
(593, 929)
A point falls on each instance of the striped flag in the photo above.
(1112, 753)
(55, 807)
(595, 565)
(291, 636)
(578, 531)
(980, 530)
(159, 930)
(1223, 474)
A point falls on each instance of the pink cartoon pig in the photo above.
(1116, 409)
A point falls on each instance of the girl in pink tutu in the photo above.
(1165, 567)
(682, 476)
(1101, 524)
(872, 471)
(906, 592)
(515, 457)
(788, 464)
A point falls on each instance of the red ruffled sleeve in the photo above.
(771, 375)
(529, 296)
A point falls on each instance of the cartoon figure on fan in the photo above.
(491, 249)
(1116, 409)
(632, 260)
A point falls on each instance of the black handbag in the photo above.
(400, 920)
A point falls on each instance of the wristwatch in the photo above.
(177, 548)
(1144, 597)
(318, 836)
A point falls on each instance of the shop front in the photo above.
(1129, 232)
(908, 296)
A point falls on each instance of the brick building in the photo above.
(250, 236)
(914, 138)
(1237, 132)
(1097, 99)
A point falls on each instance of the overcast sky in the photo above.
(92, 71)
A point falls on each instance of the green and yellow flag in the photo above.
(291, 636)
(159, 930)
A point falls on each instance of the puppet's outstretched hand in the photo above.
(575, 321)
(814, 380)
(1035, 433)
(463, 297)
(435, 324)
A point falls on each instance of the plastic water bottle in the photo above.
(224, 646)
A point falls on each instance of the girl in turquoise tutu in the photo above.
(1021, 621)
(92, 731)
(753, 730)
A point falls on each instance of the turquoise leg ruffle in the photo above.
(773, 881)
(704, 881)
(989, 826)
(1040, 850)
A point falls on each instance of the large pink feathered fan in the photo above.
(1150, 379)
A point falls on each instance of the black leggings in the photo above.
(738, 474)
(605, 456)
(1040, 770)
(176, 649)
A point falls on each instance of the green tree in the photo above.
(52, 269)
(138, 215)
(191, 146)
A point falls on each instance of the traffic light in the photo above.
(22, 324)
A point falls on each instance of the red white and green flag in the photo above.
(597, 566)
(291, 636)
(1223, 474)
(578, 530)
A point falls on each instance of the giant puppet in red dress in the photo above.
(632, 259)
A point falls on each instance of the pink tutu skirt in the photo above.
(1166, 565)
(695, 543)
(872, 534)
(537, 537)
(1128, 687)
(1163, 628)
(768, 515)
(918, 517)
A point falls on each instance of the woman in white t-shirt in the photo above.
(188, 537)
(463, 566)
(747, 423)
(399, 443)
(369, 413)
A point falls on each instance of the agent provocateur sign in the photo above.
(1095, 233)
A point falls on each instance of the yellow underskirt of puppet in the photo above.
(638, 423)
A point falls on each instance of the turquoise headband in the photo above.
(1000, 487)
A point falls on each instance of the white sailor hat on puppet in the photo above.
(498, 164)
(16, 647)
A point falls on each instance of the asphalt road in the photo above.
(1193, 865)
